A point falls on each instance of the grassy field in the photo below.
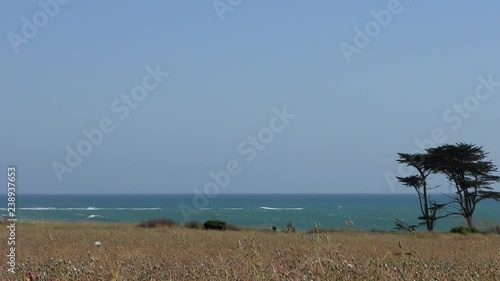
(58, 251)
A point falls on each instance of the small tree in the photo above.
(466, 168)
(429, 208)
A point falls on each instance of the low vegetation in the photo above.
(493, 229)
(208, 225)
(215, 225)
(463, 230)
(151, 223)
(193, 225)
(59, 251)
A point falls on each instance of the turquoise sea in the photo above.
(367, 211)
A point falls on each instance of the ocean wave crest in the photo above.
(39, 209)
(94, 217)
(84, 209)
(281, 209)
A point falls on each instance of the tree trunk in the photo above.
(428, 223)
(469, 221)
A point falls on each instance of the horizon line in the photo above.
(268, 193)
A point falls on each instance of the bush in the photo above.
(463, 230)
(151, 223)
(215, 225)
(193, 225)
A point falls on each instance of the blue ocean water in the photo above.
(367, 211)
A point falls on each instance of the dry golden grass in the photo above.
(58, 251)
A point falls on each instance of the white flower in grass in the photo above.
(97, 244)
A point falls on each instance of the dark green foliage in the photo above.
(463, 230)
(466, 168)
(151, 223)
(423, 164)
(212, 224)
(193, 225)
(215, 225)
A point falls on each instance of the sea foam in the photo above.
(281, 209)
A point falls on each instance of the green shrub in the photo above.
(215, 225)
(151, 223)
(193, 225)
(463, 230)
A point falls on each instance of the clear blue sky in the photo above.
(226, 77)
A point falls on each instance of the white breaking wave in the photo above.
(39, 209)
(94, 217)
(84, 209)
(281, 209)
(232, 209)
